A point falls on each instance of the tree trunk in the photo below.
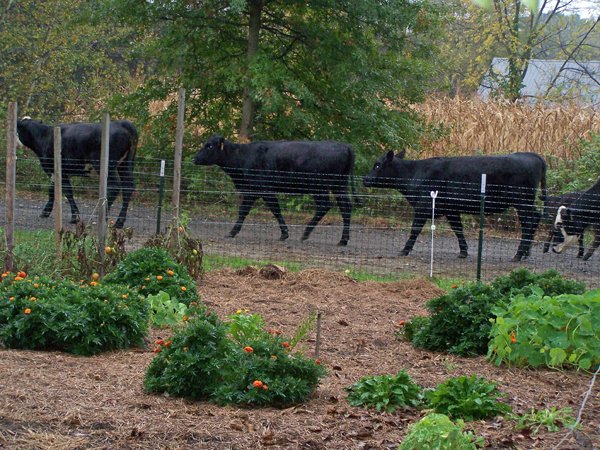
(248, 107)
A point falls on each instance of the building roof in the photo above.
(577, 80)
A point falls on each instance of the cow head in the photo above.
(383, 173)
(566, 231)
(211, 152)
(37, 136)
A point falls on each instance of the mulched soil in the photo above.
(51, 400)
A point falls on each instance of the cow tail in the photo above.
(355, 198)
(132, 148)
(544, 196)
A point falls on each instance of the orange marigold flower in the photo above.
(33, 299)
(183, 288)
(147, 278)
(168, 343)
(124, 296)
(35, 285)
(170, 272)
(11, 299)
(27, 311)
(401, 323)
(265, 387)
(18, 278)
(513, 339)
(185, 318)
(156, 349)
(22, 274)
(159, 277)
(286, 344)
(454, 286)
(248, 349)
(318, 362)
(257, 384)
(159, 342)
(93, 283)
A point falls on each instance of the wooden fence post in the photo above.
(11, 176)
(103, 207)
(178, 155)
(58, 225)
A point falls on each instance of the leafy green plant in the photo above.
(45, 314)
(536, 330)
(467, 398)
(459, 321)
(385, 392)
(151, 270)
(552, 419)
(166, 312)
(232, 363)
(438, 432)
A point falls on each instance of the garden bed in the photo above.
(54, 400)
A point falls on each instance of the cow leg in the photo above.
(48, 208)
(127, 186)
(248, 201)
(345, 206)
(112, 188)
(273, 205)
(68, 191)
(323, 204)
(581, 249)
(594, 245)
(416, 228)
(457, 227)
(529, 220)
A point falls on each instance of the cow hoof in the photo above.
(404, 252)
(343, 243)
(119, 224)
(586, 257)
(45, 214)
(517, 258)
(463, 255)
(283, 237)
(74, 220)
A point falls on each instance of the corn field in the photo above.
(477, 127)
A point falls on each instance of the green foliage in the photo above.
(232, 363)
(46, 314)
(34, 252)
(385, 392)
(330, 70)
(459, 321)
(578, 173)
(467, 398)
(559, 331)
(552, 419)
(166, 312)
(151, 270)
(438, 432)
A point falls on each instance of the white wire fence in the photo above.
(381, 221)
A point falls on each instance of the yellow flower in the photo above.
(183, 288)
(27, 311)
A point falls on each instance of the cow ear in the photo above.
(389, 156)
(401, 154)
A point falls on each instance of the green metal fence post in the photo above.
(481, 211)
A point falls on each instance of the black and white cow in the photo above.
(573, 219)
(512, 181)
(263, 169)
(81, 146)
(553, 203)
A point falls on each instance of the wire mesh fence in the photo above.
(381, 222)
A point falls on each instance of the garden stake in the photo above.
(481, 211)
(318, 340)
(161, 193)
(433, 197)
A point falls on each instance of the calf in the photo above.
(81, 144)
(553, 203)
(263, 169)
(512, 181)
(573, 219)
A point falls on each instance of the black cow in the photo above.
(573, 219)
(263, 169)
(81, 143)
(512, 181)
(553, 203)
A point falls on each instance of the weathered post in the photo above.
(161, 194)
(178, 153)
(11, 176)
(103, 206)
(58, 225)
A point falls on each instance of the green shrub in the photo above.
(560, 331)
(151, 270)
(385, 392)
(46, 314)
(552, 419)
(166, 312)
(232, 363)
(438, 432)
(467, 398)
(459, 321)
